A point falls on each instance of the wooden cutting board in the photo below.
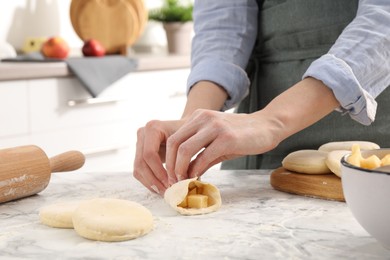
(324, 186)
(116, 24)
(142, 13)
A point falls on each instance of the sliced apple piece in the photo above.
(197, 201)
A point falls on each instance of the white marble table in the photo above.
(255, 222)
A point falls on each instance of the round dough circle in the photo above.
(347, 145)
(58, 215)
(306, 161)
(333, 161)
(111, 220)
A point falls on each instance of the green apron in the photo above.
(291, 35)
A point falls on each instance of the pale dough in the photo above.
(58, 215)
(175, 194)
(347, 145)
(333, 161)
(106, 219)
(306, 161)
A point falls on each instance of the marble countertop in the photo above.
(254, 222)
(31, 70)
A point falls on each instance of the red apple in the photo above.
(93, 48)
(55, 47)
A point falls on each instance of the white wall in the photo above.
(20, 19)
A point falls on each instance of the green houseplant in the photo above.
(172, 11)
(177, 22)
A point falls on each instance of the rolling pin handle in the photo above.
(68, 161)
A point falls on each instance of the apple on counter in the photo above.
(93, 48)
(55, 47)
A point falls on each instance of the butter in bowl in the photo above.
(366, 190)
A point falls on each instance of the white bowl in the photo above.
(367, 193)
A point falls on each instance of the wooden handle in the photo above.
(68, 161)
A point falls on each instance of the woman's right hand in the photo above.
(152, 138)
(150, 154)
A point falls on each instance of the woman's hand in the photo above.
(150, 154)
(214, 137)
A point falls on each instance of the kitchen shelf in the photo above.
(33, 70)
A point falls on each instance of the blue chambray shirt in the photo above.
(356, 68)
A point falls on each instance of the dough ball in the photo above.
(58, 215)
(175, 195)
(347, 145)
(110, 220)
(333, 161)
(306, 161)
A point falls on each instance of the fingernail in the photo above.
(154, 187)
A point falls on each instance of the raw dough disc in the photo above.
(111, 220)
(175, 194)
(333, 161)
(347, 145)
(58, 215)
(306, 161)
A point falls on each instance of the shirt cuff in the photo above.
(338, 76)
(229, 76)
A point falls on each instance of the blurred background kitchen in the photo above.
(24, 19)
(46, 104)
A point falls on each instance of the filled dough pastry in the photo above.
(193, 197)
(347, 145)
(112, 220)
(306, 161)
(58, 215)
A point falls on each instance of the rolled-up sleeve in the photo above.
(225, 33)
(357, 67)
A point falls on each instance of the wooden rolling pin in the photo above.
(26, 170)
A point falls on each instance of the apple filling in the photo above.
(195, 197)
(371, 162)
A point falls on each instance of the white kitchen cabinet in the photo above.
(58, 114)
(49, 108)
(14, 109)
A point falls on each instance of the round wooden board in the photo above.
(324, 186)
(140, 8)
(114, 23)
(74, 9)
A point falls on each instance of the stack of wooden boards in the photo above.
(316, 173)
(116, 24)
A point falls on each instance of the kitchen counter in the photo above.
(254, 222)
(30, 70)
